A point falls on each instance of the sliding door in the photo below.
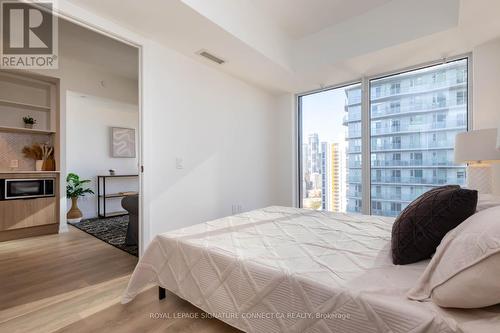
(407, 128)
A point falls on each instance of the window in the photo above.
(395, 88)
(395, 208)
(439, 77)
(413, 118)
(395, 125)
(416, 156)
(396, 142)
(435, 135)
(331, 156)
(395, 106)
(439, 100)
(461, 97)
(417, 174)
(377, 205)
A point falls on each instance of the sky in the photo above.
(322, 113)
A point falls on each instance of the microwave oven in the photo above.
(11, 189)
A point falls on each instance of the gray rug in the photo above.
(111, 230)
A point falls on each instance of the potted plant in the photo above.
(29, 121)
(76, 188)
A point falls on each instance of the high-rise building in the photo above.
(414, 119)
(337, 178)
(325, 181)
(314, 153)
(333, 177)
(312, 174)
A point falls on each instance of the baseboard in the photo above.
(29, 232)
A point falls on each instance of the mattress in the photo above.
(281, 269)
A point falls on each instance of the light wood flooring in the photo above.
(73, 282)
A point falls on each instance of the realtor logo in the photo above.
(29, 35)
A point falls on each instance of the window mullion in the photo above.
(365, 147)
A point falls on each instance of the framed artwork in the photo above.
(123, 142)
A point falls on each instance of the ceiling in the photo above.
(103, 52)
(300, 45)
(299, 18)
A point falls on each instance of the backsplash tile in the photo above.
(11, 146)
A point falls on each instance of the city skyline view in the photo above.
(414, 118)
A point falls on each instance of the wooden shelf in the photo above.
(25, 105)
(24, 130)
(118, 195)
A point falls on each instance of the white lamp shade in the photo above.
(498, 139)
(477, 146)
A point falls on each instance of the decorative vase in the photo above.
(49, 165)
(74, 214)
(39, 165)
(30, 126)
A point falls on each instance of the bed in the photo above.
(282, 269)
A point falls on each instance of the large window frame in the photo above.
(366, 123)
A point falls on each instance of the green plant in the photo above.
(29, 120)
(76, 187)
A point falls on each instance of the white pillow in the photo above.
(470, 250)
(485, 201)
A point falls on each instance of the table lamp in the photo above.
(479, 149)
(498, 139)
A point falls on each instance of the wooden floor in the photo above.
(73, 282)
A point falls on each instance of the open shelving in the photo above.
(26, 106)
(102, 196)
(24, 95)
(25, 130)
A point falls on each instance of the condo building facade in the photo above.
(414, 118)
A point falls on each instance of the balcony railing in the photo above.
(411, 163)
(354, 209)
(412, 145)
(415, 128)
(351, 116)
(354, 179)
(422, 88)
(353, 134)
(420, 107)
(394, 196)
(354, 164)
(414, 180)
(383, 212)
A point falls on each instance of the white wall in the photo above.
(285, 170)
(88, 124)
(224, 130)
(87, 78)
(486, 92)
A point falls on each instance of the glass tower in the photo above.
(414, 117)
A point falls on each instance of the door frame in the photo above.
(64, 13)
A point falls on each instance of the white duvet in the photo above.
(284, 269)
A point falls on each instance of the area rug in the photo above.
(111, 230)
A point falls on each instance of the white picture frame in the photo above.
(123, 142)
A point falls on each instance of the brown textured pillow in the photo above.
(421, 226)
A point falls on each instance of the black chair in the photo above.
(131, 205)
